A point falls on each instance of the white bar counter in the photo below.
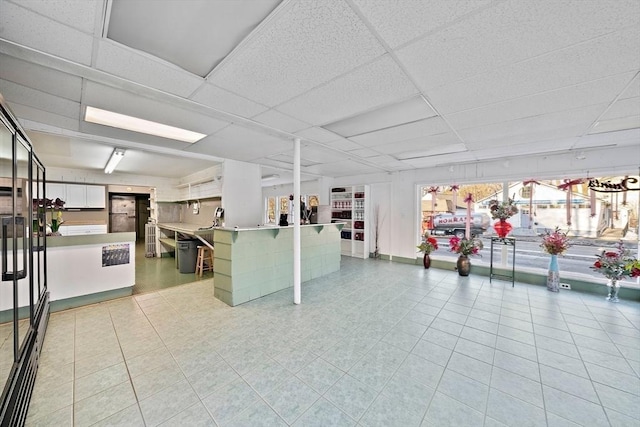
(90, 268)
(250, 263)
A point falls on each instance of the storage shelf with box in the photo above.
(350, 205)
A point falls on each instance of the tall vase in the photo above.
(502, 228)
(614, 288)
(426, 261)
(463, 265)
(553, 275)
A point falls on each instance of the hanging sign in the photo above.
(626, 184)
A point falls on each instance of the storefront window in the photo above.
(597, 213)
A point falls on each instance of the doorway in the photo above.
(129, 213)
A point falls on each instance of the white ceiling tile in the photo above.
(246, 151)
(510, 32)
(620, 123)
(319, 154)
(623, 108)
(619, 138)
(582, 63)
(241, 135)
(122, 102)
(590, 93)
(417, 144)
(364, 152)
(24, 112)
(201, 35)
(145, 69)
(342, 168)
(633, 90)
(80, 14)
(305, 45)
(34, 30)
(522, 149)
(580, 118)
(226, 101)
(532, 138)
(399, 22)
(432, 126)
(37, 77)
(40, 100)
(351, 94)
(318, 134)
(444, 159)
(399, 113)
(344, 145)
(286, 158)
(388, 162)
(432, 151)
(280, 121)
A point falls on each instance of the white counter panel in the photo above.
(77, 270)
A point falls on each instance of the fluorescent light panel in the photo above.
(407, 111)
(122, 121)
(115, 158)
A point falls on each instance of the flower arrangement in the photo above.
(555, 242)
(56, 207)
(502, 210)
(617, 264)
(428, 245)
(465, 246)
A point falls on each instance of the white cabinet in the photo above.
(56, 190)
(96, 196)
(78, 195)
(351, 206)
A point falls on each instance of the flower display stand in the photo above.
(504, 241)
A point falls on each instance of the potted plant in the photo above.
(554, 243)
(502, 211)
(615, 265)
(465, 248)
(56, 207)
(428, 245)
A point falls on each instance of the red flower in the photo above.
(611, 254)
(597, 264)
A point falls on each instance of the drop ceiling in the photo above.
(369, 86)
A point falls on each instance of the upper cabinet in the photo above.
(78, 196)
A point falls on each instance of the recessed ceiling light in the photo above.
(122, 121)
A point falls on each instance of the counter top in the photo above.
(183, 227)
(273, 227)
(90, 239)
(90, 222)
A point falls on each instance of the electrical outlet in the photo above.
(565, 286)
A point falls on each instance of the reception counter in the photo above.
(90, 268)
(250, 263)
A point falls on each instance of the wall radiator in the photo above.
(150, 240)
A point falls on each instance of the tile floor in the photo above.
(375, 344)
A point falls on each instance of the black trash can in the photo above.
(187, 255)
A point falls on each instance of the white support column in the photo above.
(296, 221)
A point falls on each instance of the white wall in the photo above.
(242, 194)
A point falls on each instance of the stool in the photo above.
(204, 262)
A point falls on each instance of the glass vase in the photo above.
(553, 275)
(614, 288)
(426, 261)
(502, 228)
